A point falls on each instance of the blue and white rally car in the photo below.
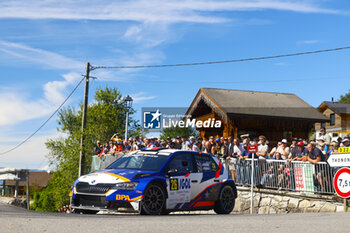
(157, 181)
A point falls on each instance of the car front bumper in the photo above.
(100, 202)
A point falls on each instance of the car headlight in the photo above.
(126, 186)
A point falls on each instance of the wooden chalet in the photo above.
(339, 118)
(275, 115)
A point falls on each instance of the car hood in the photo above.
(111, 176)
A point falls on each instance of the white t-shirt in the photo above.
(286, 149)
(237, 150)
(263, 149)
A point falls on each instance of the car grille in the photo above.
(87, 200)
(83, 187)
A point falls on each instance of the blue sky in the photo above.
(44, 46)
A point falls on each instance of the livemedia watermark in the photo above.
(159, 118)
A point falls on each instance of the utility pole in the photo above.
(83, 123)
(126, 125)
(27, 191)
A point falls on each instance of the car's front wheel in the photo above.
(226, 201)
(153, 202)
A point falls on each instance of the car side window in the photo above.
(183, 163)
(205, 163)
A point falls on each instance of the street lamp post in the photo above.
(128, 102)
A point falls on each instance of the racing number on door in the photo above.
(174, 184)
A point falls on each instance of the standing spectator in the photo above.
(231, 159)
(245, 139)
(168, 140)
(346, 141)
(243, 166)
(98, 148)
(214, 150)
(192, 140)
(125, 146)
(225, 148)
(315, 155)
(116, 137)
(294, 144)
(207, 147)
(112, 148)
(298, 152)
(333, 147)
(184, 143)
(135, 145)
(199, 144)
(211, 141)
(305, 142)
(327, 138)
(218, 147)
(282, 148)
(106, 148)
(262, 148)
(172, 145)
(178, 143)
(195, 146)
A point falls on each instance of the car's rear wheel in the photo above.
(226, 201)
(153, 202)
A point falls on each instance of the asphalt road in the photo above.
(13, 219)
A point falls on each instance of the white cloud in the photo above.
(30, 155)
(170, 11)
(42, 57)
(54, 90)
(141, 96)
(308, 42)
(149, 34)
(14, 108)
(15, 105)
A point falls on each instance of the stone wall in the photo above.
(280, 202)
(19, 202)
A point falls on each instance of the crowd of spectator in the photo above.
(234, 153)
(66, 209)
(297, 149)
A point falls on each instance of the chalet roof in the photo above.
(267, 104)
(340, 108)
(36, 178)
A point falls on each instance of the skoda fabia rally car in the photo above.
(157, 181)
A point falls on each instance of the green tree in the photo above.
(106, 116)
(345, 98)
(173, 132)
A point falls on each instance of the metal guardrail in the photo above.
(100, 163)
(284, 175)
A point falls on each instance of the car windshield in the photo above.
(140, 161)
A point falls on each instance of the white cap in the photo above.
(284, 140)
(346, 139)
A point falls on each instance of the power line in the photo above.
(30, 136)
(247, 81)
(220, 62)
(174, 65)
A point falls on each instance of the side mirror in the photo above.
(172, 171)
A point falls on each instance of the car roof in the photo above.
(166, 151)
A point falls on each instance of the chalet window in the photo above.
(332, 119)
(323, 125)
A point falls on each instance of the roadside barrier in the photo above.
(99, 163)
(284, 175)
